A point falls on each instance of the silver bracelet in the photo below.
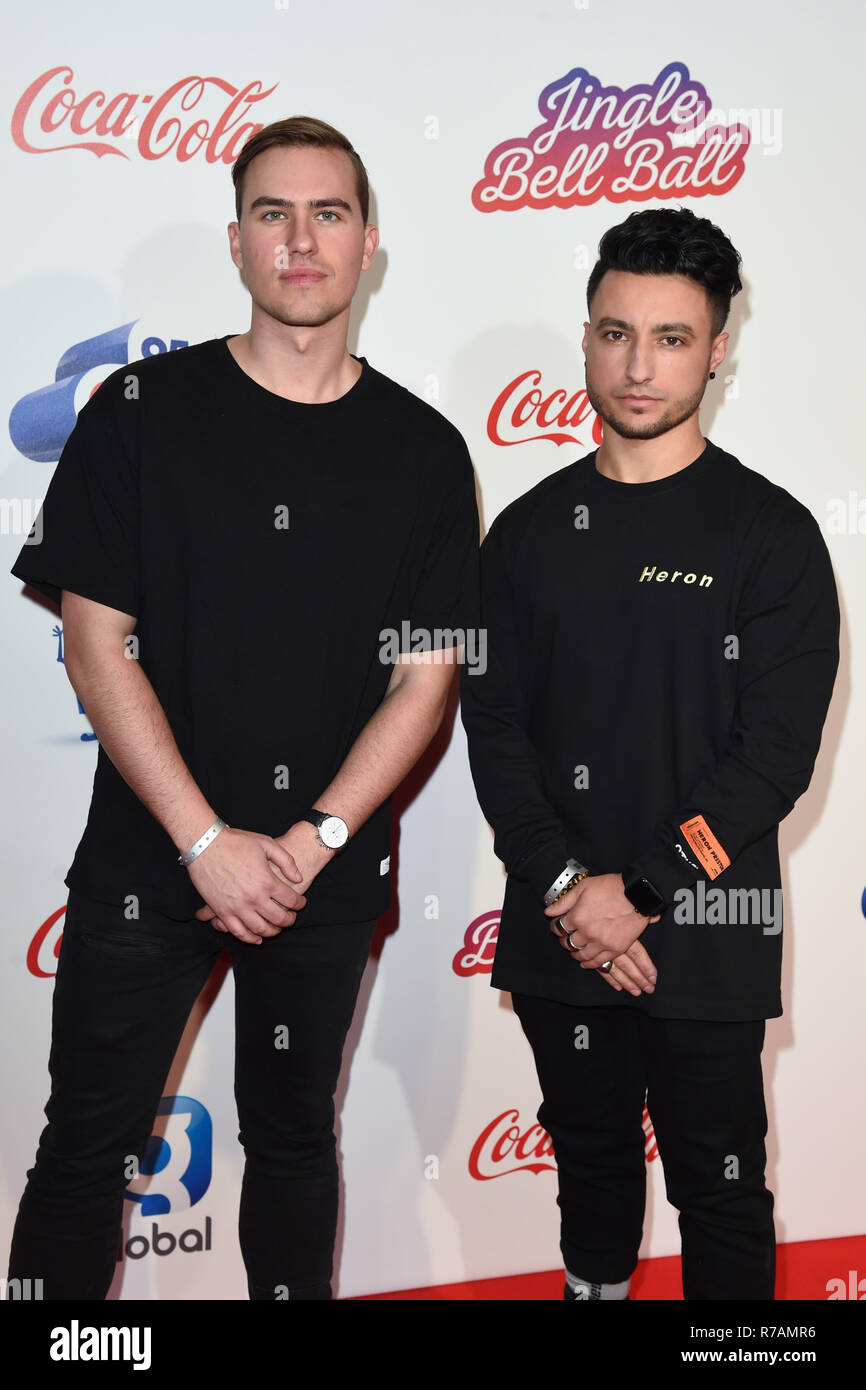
(207, 838)
(571, 871)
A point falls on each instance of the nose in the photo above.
(300, 234)
(639, 365)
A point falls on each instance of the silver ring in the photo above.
(608, 965)
(571, 945)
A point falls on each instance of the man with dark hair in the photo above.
(662, 641)
(258, 520)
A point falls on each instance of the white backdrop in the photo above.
(128, 240)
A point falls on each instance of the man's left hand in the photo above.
(602, 919)
(302, 842)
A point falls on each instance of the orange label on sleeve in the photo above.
(705, 845)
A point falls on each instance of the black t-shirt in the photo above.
(276, 555)
(660, 661)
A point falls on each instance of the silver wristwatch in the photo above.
(333, 832)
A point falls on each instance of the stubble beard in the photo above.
(303, 316)
(636, 428)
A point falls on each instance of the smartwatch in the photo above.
(644, 897)
(333, 832)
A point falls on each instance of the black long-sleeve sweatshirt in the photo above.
(660, 658)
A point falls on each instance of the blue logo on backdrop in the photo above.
(175, 1171)
(57, 631)
(42, 421)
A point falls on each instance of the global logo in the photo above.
(175, 1171)
(42, 421)
(57, 631)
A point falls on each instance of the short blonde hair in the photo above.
(299, 130)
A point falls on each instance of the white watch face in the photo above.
(334, 832)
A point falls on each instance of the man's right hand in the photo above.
(246, 878)
(633, 970)
(242, 876)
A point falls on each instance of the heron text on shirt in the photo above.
(650, 572)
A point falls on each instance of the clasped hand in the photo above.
(254, 886)
(599, 924)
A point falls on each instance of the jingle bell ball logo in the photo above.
(475, 956)
(652, 140)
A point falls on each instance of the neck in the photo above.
(310, 365)
(647, 460)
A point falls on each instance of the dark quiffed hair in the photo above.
(672, 241)
(299, 130)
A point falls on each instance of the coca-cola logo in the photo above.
(525, 410)
(653, 140)
(44, 949)
(651, 1148)
(475, 956)
(51, 111)
(503, 1147)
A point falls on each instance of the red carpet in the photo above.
(803, 1270)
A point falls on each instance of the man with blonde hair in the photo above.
(259, 514)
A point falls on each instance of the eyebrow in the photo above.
(608, 322)
(266, 201)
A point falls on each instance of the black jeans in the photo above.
(703, 1087)
(123, 993)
